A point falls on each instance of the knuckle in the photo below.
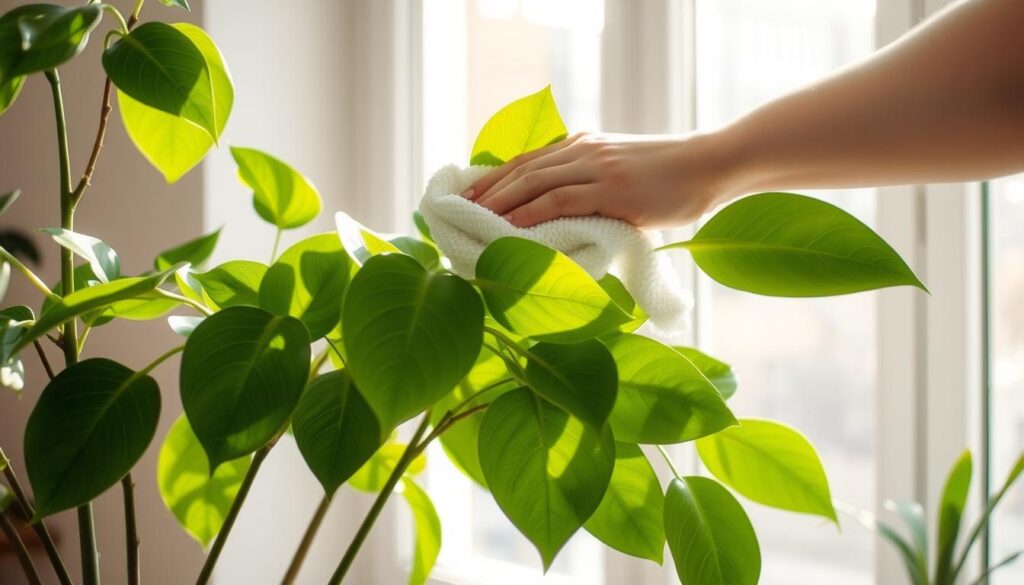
(559, 198)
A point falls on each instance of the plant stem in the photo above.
(307, 541)
(378, 505)
(668, 459)
(131, 531)
(39, 527)
(69, 339)
(19, 549)
(29, 275)
(229, 521)
(183, 299)
(43, 358)
(163, 357)
(277, 242)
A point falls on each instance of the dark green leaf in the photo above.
(663, 398)
(198, 499)
(6, 496)
(236, 282)
(579, 377)
(91, 425)
(163, 68)
(717, 372)
(540, 293)
(39, 37)
(546, 470)
(8, 199)
(242, 373)
(17, 313)
(335, 429)
(781, 244)
(411, 335)
(195, 252)
(281, 195)
(424, 253)
(308, 282)
(523, 125)
(103, 260)
(428, 531)
(709, 535)
(951, 510)
(630, 518)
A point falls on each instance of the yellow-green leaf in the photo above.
(526, 124)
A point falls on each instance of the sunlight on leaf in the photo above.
(281, 195)
(526, 124)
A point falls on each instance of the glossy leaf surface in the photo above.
(523, 125)
(717, 372)
(103, 260)
(281, 195)
(235, 282)
(579, 377)
(427, 531)
(38, 37)
(195, 252)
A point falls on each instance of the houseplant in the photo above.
(531, 375)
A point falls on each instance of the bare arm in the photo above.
(945, 103)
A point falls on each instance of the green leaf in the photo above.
(9, 91)
(526, 124)
(8, 199)
(411, 335)
(6, 496)
(103, 260)
(17, 313)
(184, 326)
(426, 254)
(1015, 472)
(242, 373)
(618, 292)
(630, 518)
(546, 470)
(195, 252)
(308, 282)
(173, 144)
(198, 499)
(951, 510)
(89, 299)
(540, 293)
(663, 398)
(144, 307)
(579, 377)
(912, 515)
(236, 282)
(771, 464)
(372, 476)
(162, 67)
(428, 531)
(5, 278)
(281, 195)
(335, 429)
(39, 37)
(178, 3)
(709, 535)
(787, 245)
(421, 226)
(360, 241)
(717, 372)
(91, 425)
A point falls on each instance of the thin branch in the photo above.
(668, 459)
(184, 300)
(131, 531)
(43, 358)
(19, 550)
(28, 274)
(307, 541)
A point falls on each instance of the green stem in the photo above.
(163, 357)
(277, 242)
(378, 505)
(668, 459)
(337, 351)
(229, 521)
(476, 395)
(69, 339)
(131, 531)
(318, 362)
(117, 14)
(136, 11)
(40, 527)
(185, 300)
(307, 541)
(19, 549)
(29, 275)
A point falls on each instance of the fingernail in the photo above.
(468, 193)
(508, 217)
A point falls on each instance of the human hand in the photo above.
(648, 181)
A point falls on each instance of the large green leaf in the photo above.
(91, 425)
(788, 245)
(523, 125)
(308, 282)
(372, 476)
(195, 252)
(630, 518)
(39, 37)
(162, 67)
(546, 470)
(540, 293)
(335, 429)
(663, 398)
(103, 260)
(235, 282)
(709, 535)
(428, 531)
(579, 377)
(411, 335)
(717, 372)
(198, 499)
(173, 144)
(281, 195)
(771, 464)
(951, 511)
(89, 299)
(242, 373)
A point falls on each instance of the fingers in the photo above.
(484, 184)
(522, 174)
(568, 201)
(534, 184)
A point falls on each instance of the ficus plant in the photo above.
(535, 378)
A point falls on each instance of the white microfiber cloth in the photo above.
(462, 229)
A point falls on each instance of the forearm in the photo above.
(945, 103)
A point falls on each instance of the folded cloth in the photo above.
(462, 229)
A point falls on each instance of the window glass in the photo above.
(478, 56)
(810, 363)
(1006, 431)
